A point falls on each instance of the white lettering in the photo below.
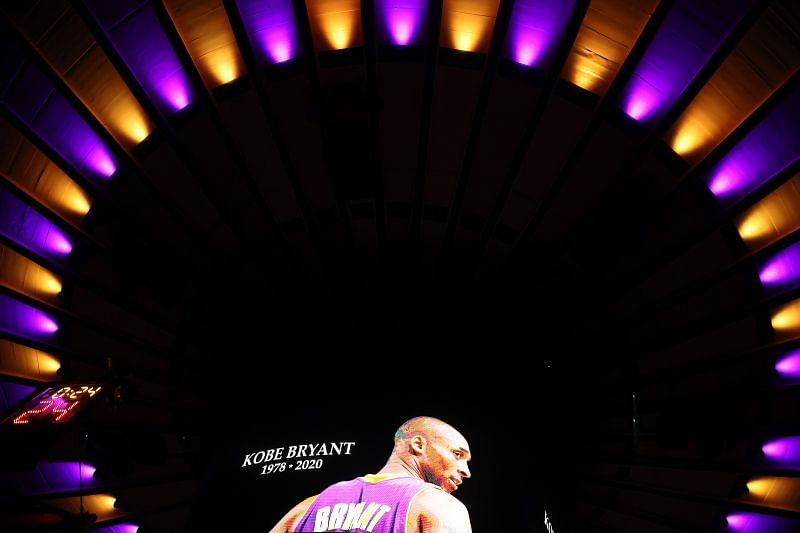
(337, 516)
(348, 444)
(247, 460)
(366, 516)
(292, 452)
(321, 519)
(383, 510)
(353, 514)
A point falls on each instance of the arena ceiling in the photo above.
(571, 226)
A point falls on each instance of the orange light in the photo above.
(130, 121)
(467, 24)
(222, 64)
(28, 363)
(786, 317)
(689, 135)
(338, 28)
(755, 225)
(42, 280)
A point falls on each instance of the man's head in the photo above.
(440, 452)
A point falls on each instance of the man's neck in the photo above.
(397, 466)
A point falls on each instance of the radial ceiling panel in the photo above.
(765, 58)
(207, 35)
(33, 172)
(27, 363)
(609, 31)
(71, 50)
(186, 188)
(467, 25)
(335, 24)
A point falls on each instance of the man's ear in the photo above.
(418, 444)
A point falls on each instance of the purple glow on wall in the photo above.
(21, 319)
(33, 98)
(12, 393)
(784, 451)
(271, 27)
(760, 523)
(118, 528)
(782, 269)
(788, 365)
(535, 28)
(50, 477)
(402, 20)
(138, 37)
(686, 39)
(766, 150)
(27, 227)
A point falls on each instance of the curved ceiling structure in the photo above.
(570, 225)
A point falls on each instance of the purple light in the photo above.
(271, 25)
(687, 38)
(784, 451)
(173, 88)
(534, 30)
(137, 35)
(49, 478)
(789, 365)
(18, 318)
(402, 19)
(760, 523)
(766, 150)
(782, 269)
(33, 98)
(12, 393)
(22, 224)
(118, 528)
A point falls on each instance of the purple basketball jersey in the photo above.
(374, 504)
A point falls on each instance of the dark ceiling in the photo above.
(568, 227)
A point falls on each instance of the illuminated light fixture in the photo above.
(207, 35)
(174, 90)
(784, 451)
(22, 319)
(783, 268)
(271, 25)
(100, 160)
(678, 51)
(585, 76)
(787, 317)
(139, 38)
(760, 155)
(58, 123)
(747, 522)
(339, 29)
(402, 19)
(467, 25)
(118, 528)
(23, 224)
(689, 136)
(28, 363)
(76, 201)
(222, 64)
(756, 224)
(44, 281)
(534, 30)
(789, 365)
(335, 24)
(760, 487)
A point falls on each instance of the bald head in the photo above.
(436, 450)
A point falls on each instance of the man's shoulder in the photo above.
(433, 498)
(435, 511)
